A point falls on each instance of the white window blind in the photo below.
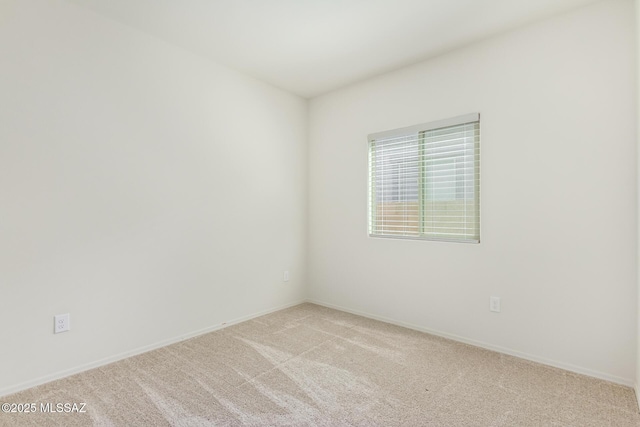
(424, 181)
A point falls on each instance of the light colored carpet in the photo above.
(313, 366)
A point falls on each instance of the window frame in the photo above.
(418, 130)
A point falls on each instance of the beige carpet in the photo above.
(313, 366)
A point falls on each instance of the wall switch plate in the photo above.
(61, 323)
(494, 304)
(285, 277)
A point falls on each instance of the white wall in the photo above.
(558, 246)
(146, 191)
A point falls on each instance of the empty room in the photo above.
(319, 213)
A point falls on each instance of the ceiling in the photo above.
(310, 47)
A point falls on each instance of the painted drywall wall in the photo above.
(146, 191)
(558, 202)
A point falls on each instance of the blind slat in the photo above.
(426, 184)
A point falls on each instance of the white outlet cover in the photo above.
(494, 304)
(61, 323)
(286, 276)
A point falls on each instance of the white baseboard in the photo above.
(533, 358)
(105, 361)
(91, 365)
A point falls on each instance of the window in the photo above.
(424, 181)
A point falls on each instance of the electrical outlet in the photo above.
(494, 304)
(61, 323)
(285, 277)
